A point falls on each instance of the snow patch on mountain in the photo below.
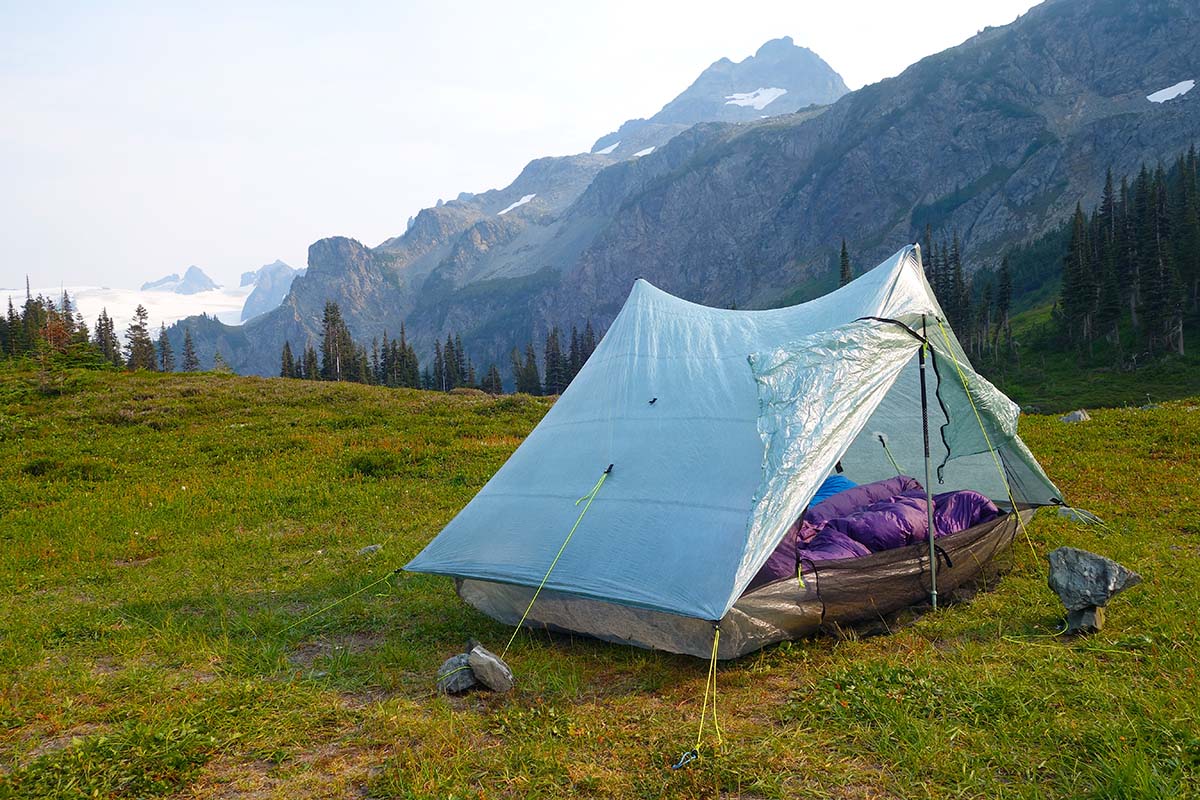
(608, 150)
(517, 204)
(1171, 92)
(645, 152)
(759, 99)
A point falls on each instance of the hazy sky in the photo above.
(139, 138)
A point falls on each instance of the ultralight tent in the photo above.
(719, 426)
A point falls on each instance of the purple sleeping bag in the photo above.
(851, 500)
(829, 545)
(957, 511)
(885, 525)
(869, 519)
(782, 562)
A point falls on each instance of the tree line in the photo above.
(42, 327)
(1134, 261)
(394, 362)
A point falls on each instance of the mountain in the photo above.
(780, 78)
(194, 280)
(166, 283)
(491, 235)
(996, 139)
(271, 284)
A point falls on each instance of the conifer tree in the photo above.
(220, 364)
(556, 379)
(312, 371)
(846, 273)
(338, 352)
(287, 365)
(191, 362)
(491, 381)
(166, 356)
(139, 349)
(1004, 306)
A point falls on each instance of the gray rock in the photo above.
(490, 670)
(369, 549)
(1085, 620)
(1082, 579)
(1076, 416)
(455, 675)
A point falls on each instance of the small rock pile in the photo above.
(1085, 582)
(476, 666)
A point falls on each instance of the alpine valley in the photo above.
(740, 190)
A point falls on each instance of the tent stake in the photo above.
(928, 475)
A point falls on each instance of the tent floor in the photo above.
(844, 592)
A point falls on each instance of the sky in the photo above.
(140, 138)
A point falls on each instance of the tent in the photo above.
(719, 425)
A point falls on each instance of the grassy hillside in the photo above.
(1048, 378)
(168, 539)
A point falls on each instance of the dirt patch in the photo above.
(308, 653)
(133, 562)
(63, 740)
(105, 665)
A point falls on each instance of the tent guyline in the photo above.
(982, 429)
(589, 497)
(710, 682)
(752, 412)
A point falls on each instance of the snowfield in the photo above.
(1171, 92)
(645, 152)
(164, 307)
(608, 150)
(517, 204)
(758, 99)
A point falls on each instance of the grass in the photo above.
(168, 540)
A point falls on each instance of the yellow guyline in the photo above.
(589, 497)
(991, 449)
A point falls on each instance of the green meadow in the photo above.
(170, 546)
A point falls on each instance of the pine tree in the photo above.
(846, 274)
(312, 371)
(166, 356)
(589, 343)
(338, 352)
(287, 365)
(191, 362)
(139, 349)
(491, 381)
(556, 379)
(220, 364)
(1004, 306)
(439, 368)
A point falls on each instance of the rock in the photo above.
(1085, 620)
(1082, 579)
(369, 549)
(1076, 416)
(490, 670)
(455, 675)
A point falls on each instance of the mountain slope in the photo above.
(271, 285)
(536, 225)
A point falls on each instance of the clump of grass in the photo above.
(374, 464)
(136, 760)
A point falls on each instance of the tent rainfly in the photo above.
(720, 425)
